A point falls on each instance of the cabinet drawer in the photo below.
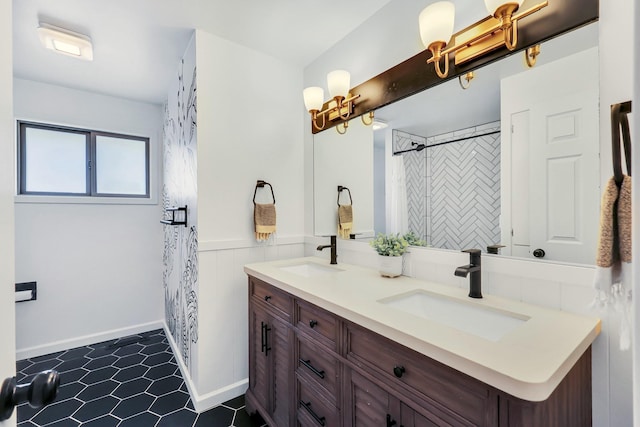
(459, 393)
(319, 366)
(317, 322)
(272, 296)
(313, 410)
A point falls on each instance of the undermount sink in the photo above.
(484, 322)
(310, 269)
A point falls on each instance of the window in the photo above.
(54, 160)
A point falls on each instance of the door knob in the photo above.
(538, 253)
(41, 391)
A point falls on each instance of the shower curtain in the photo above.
(398, 217)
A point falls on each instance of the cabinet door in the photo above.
(367, 404)
(259, 370)
(280, 345)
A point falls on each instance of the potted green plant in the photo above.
(390, 248)
(414, 240)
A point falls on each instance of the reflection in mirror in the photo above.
(470, 183)
(343, 161)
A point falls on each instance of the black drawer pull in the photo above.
(313, 323)
(390, 422)
(315, 416)
(267, 297)
(307, 363)
(398, 371)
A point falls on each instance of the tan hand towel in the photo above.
(345, 221)
(264, 217)
(613, 259)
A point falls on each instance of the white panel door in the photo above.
(564, 178)
(520, 214)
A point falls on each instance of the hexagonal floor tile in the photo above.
(129, 349)
(165, 385)
(219, 416)
(105, 421)
(101, 362)
(96, 408)
(154, 349)
(99, 375)
(130, 360)
(169, 403)
(161, 371)
(157, 359)
(130, 373)
(57, 411)
(183, 417)
(131, 388)
(97, 390)
(144, 419)
(133, 406)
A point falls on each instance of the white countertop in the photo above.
(527, 362)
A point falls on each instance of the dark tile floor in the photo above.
(130, 382)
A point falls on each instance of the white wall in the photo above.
(250, 117)
(635, 136)
(390, 37)
(98, 266)
(7, 349)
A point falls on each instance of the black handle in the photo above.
(398, 371)
(262, 338)
(307, 406)
(307, 363)
(390, 422)
(41, 391)
(267, 298)
(539, 253)
(313, 323)
(265, 338)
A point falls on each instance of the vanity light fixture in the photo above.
(339, 107)
(468, 77)
(497, 30)
(368, 121)
(531, 55)
(66, 42)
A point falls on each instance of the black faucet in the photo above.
(334, 250)
(475, 282)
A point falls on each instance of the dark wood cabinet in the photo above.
(310, 367)
(270, 354)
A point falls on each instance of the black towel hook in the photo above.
(620, 122)
(261, 184)
(342, 188)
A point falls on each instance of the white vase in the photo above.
(390, 266)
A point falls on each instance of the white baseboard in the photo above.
(213, 398)
(40, 350)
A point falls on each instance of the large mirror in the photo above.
(511, 161)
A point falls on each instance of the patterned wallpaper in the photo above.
(180, 257)
(458, 185)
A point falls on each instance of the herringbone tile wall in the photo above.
(415, 168)
(459, 184)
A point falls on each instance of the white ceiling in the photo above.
(138, 43)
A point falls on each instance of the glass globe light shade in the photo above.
(338, 82)
(436, 22)
(313, 98)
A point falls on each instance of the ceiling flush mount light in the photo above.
(65, 42)
(497, 30)
(341, 105)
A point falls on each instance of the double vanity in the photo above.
(342, 346)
